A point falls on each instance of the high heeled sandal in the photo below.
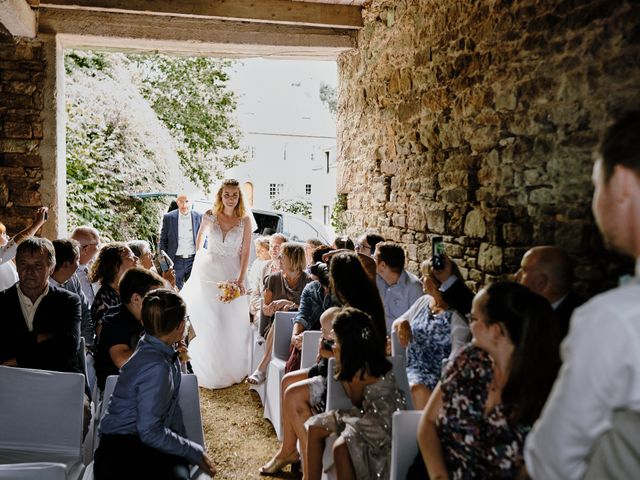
(276, 464)
(257, 377)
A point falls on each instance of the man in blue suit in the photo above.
(178, 237)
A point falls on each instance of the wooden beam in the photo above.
(191, 36)
(18, 18)
(286, 12)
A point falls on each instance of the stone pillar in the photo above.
(52, 148)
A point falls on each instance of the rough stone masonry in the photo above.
(476, 121)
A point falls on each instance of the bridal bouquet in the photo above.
(228, 291)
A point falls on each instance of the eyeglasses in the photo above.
(360, 246)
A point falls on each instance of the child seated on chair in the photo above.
(142, 434)
(363, 448)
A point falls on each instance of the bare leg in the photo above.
(420, 395)
(342, 460)
(315, 448)
(268, 347)
(296, 404)
(289, 437)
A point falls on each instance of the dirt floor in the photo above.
(237, 437)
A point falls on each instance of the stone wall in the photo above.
(22, 77)
(476, 121)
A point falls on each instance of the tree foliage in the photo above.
(329, 96)
(190, 96)
(297, 206)
(109, 152)
(338, 221)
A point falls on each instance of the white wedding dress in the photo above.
(220, 351)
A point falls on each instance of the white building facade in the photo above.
(288, 133)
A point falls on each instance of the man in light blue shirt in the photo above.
(398, 288)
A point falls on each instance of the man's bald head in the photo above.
(546, 270)
(183, 203)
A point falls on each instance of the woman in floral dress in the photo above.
(432, 331)
(493, 391)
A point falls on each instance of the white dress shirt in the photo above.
(28, 307)
(82, 273)
(600, 374)
(186, 246)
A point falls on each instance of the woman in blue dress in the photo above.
(432, 331)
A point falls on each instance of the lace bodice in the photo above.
(221, 243)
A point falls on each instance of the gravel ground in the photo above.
(238, 438)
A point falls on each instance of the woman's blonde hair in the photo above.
(295, 253)
(427, 269)
(218, 206)
(162, 312)
(3, 229)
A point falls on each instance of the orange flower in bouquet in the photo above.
(228, 291)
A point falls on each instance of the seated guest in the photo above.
(363, 447)
(315, 299)
(343, 243)
(122, 326)
(8, 274)
(398, 288)
(433, 332)
(589, 426)
(366, 244)
(493, 391)
(281, 293)
(309, 247)
(89, 240)
(142, 250)
(41, 323)
(454, 291)
(254, 278)
(304, 391)
(142, 434)
(63, 276)
(547, 271)
(113, 260)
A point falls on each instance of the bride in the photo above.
(220, 351)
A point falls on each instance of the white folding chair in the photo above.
(189, 400)
(33, 471)
(109, 385)
(396, 348)
(400, 372)
(257, 351)
(283, 327)
(337, 399)
(404, 444)
(41, 414)
(310, 341)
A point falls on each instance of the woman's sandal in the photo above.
(276, 464)
(257, 377)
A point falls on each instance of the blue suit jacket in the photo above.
(169, 232)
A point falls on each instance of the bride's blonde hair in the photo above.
(218, 206)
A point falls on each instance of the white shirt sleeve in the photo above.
(8, 251)
(594, 380)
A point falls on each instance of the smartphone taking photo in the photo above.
(437, 253)
(162, 262)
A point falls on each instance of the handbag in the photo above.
(293, 362)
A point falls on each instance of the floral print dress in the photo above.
(430, 345)
(476, 445)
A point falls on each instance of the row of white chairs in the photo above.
(41, 415)
(405, 423)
